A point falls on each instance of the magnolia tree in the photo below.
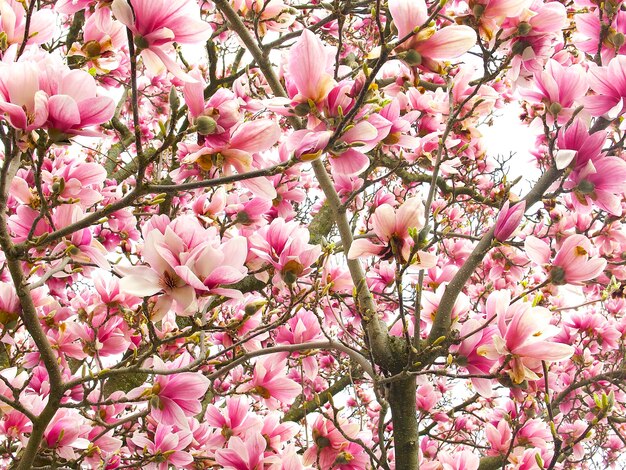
(257, 235)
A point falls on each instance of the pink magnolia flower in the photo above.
(589, 30)
(391, 227)
(609, 83)
(601, 184)
(245, 140)
(242, 454)
(21, 97)
(284, 245)
(234, 419)
(348, 155)
(13, 23)
(166, 447)
(174, 397)
(209, 266)
(222, 111)
(330, 447)
(302, 328)
(269, 381)
(307, 69)
(166, 248)
(572, 264)
(508, 220)
(577, 144)
(559, 88)
(467, 351)
(73, 104)
(447, 43)
(102, 40)
(521, 339)
(463, 460)
(156, 24)
(67, 431)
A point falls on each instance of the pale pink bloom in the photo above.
(237, 152)
(10, 307)
(166, 248)
(73, 105)
(559, 89)
(447, 43)
(174, 397)
(81, 247)
(13, 23)
(270, 383)
(427, 397)
(277, 433)
(248, 454)
(391, 227)
(589, 30)
(69, 7)
(348, 155)
(572, 264)
(601, 184)
(581, 145)
(285, 246)
(102, 40)
(233, 420)
(166, 446)
(156, 24)
(274, 15)
(431, 300)
(290, 460)
(302, 328)
(499, 438)
(209, 266)
(333, 449)
(460, 460)
(521, 338)
(21, 97)
(508, 220)
(222, 108)
(10, 376)
(467, 352)
(491, 13)
(307, 69)
(66, 432)
(609, 84)
(308, 145)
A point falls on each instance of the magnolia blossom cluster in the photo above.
(269, 235)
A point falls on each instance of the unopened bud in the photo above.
(206, 125)
(141, 43)
(555, 108)
(412, 57)
(478, 10)
(524, 28)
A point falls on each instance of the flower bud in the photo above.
(524, 28)
(206, 125)
(411, 57)
(508, 220)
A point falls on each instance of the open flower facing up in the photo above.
(520, 342)
(572, 264)
(391, 227)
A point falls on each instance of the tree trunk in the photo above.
(404, 418)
